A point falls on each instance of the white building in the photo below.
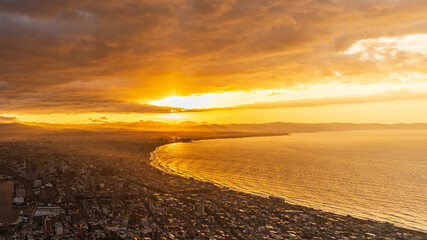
(19, 195)
(59, 228)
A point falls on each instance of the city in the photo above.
(108, 190)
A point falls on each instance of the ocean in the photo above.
(378, 175)
(8, 214)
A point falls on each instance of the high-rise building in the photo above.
(201, 208)
(211, 220)
(47, 192)
(134, 219)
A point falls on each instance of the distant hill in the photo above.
(19, 131)
(300, 127)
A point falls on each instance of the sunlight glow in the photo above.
(189, 102)
(236, 98)
(172, 116)
(380, 48)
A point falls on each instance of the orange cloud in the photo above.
(101, 56)
(4, 119)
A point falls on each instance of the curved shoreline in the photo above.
(154, 162)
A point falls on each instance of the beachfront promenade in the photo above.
(108, 190)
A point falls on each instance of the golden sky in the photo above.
(235, 61)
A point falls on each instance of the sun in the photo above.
(188, 102)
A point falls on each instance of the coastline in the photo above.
(164, 204)
(157, 165)
(154, 162)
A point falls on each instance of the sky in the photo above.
(217, 61)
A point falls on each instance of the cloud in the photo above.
(314, 102)
(99, 120)
(3, 86)
(77, 105)
(4, 119)
(81, 56)
(75, 97)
